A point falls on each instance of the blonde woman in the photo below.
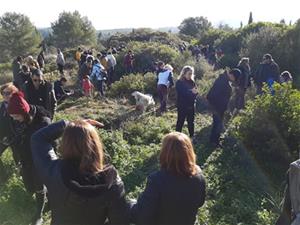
(173, 194)
(186, 94)
(82, 188)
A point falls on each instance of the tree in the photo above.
(18, 36)
(194, 26)
(72, 30)
(250, 18)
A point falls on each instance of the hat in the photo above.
(17, 104)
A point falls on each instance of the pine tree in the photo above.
(250, 18)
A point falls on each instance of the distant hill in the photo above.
(45, 32)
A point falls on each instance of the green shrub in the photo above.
(270, 128)
(133, 82)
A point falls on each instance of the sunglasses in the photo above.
(5, 93)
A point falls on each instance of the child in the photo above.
(87, 86)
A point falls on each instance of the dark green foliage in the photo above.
(18, 36)
(194, 26)
(72, 30)
(270, 128)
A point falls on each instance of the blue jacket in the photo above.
(76, 198)
(185, 96)
(170, 199)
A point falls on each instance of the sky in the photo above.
(110, 14)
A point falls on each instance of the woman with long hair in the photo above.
(173, 194)
(82, 188)
(186, 95)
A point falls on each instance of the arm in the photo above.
(203, 191)
(43, 154)
(187, 93)
(170, 79)
(146, 209)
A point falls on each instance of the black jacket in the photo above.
(77, 199)
(170, 199)
(44, 96)
(266, 71)
(220, 93)
(185, 96)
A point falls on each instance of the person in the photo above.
(97, 76)
(60, 61)
(17, 67)
(7, 137)
(128, 62)
(41, 60)
(164, 82)
(87, 86)
(22, 78)
(82, 188)
(267, 72)
(59, 89)
(286, 77)
(186, 95)
(29, 119)
(218, 97)
(104, 60)
(85, 69)
(111, 67)
(78, 56)
(83, 58)
(290, 214)
(32, 63)
(242, 83)
(173, 194)
(40, 92)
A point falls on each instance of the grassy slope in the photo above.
(236, 187)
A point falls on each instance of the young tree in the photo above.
(72, 30)
(250, 18)
(18, 36)
(194, 26)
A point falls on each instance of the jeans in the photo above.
(163, 97)
(100, 87)
(186, 113)
(240, 98)
(217, 128)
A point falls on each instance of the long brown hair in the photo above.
(177, 154)
(82, 144)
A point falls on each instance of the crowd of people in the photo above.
(81, 187)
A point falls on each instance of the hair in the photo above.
(63, 79)
(82, 144)
(287, 76)
(160, 63)
(243, 61)
(168, 67)
(177, 155)
(24, 68)
(268, 56)
(184, 71)
(236, 73)
(37, 72)
(9, 86)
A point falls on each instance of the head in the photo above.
(286, 76)
(79, 49)
(7, 90)
(82, 144)
(168, 67)
(234, 75)
(89, 62)
(130, 52)
(37, 78)
(177, 154)
(187, 73)
(20, 59)
(267, 58)
(63, 81)
(18, 108)
(161, 65)
(99, 56)
(244, 61)
(58, 51)
(25, 68)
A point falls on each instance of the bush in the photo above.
(133, 82)
(270, 128)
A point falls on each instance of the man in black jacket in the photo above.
(219, 96)
(40, 92)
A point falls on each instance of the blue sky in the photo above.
(155, 13)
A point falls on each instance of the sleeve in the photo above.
(43, 153)
(53, 100)
(170, 79)
(203, 191)
(146, 209)
(187, 93)
(118, 211)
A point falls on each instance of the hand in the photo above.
(94, 123)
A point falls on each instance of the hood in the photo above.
(88, 185)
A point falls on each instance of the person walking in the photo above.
(60, 61)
